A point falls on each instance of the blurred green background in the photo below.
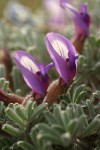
(33, 4)
(93, 7)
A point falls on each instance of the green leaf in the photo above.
(29, 108)
(71, 126)
(49, 133)
(77, 91)
(25, 146)
(91, 109)
(5, 86)
(80, 97)
(50, 117)
(80, 125)
(14, 117)
(12, 130)
(58, 115)
(38, 110)
(93, 127)
(20, 110)
(1, 107)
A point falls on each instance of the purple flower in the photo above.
(81, 18)
(63, 54)
(57, 17)
(35, 75)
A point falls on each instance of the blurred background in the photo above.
(94, 7)
(33, 4)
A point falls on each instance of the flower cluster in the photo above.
(64, 58)
(81, 18)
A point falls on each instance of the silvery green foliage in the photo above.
(4, 85)
(75, 126)
(19, 121)
(74, 123)
(19, 85)
(89, 64)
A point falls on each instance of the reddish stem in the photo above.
(10, 98)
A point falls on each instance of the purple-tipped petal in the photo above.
(84, 8)
(49, 66)
(81, 18)
(42, 69)
(27, 61)
(61, 50)
(61, 45)
(86, 16)
(28, 66)
(65, 4)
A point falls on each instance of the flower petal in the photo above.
(84, 8)
(59, 49)
(81, 18)
(27, 61)
(42, 69)
(66, 5)
(82, 22)
(49, 66)
(26, 64)
(61, 45)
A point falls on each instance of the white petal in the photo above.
(60, 48)
(29, 64)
